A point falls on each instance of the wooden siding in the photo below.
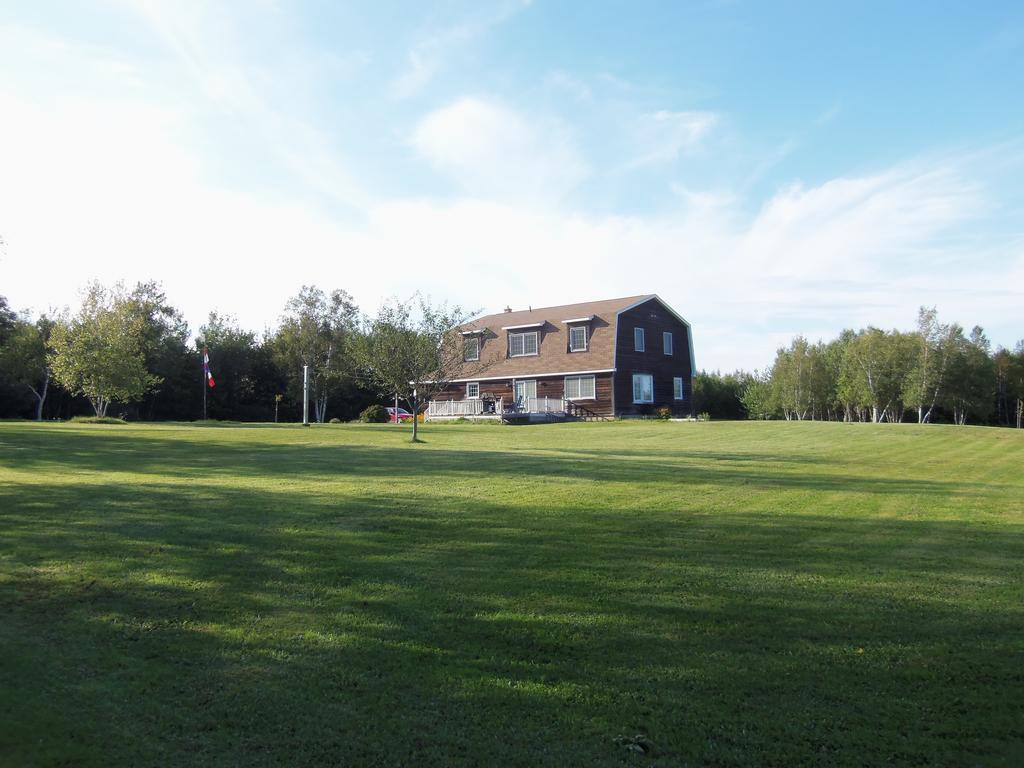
(655, 319)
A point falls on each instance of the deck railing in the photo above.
(455, 408)
(467, 408)
(544, 405)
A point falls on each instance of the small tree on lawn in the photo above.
(413, 349)
(99, 351)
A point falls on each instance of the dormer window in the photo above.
(579, 332)
(523, 344)
(578, 338)
(471, 348)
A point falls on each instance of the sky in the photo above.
(768, 169)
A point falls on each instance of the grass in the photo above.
(736, 594)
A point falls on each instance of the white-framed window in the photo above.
(522, 344)
(666, 341)
(578, 338)
(580, 388)
(638, 340)
(471, 348)
(677, 388)
(473, 390)
(643, 388)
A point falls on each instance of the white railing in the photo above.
(455, 408)
(544, 405)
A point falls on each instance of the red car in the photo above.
(399, 415)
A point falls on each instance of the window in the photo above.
(638, 339)
(666, 341)
(579, 388)
(473, 390)
(471, 348)
(643, 388)
(522, 344)
(677, 388)
(578, 338)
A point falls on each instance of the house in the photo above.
(618, 357)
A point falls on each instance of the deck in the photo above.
(527, 409)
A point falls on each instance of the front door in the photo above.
(524, 390)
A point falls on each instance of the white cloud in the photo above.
(494, 152)
(662, 136)
(431, 54)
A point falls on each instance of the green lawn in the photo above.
(740, 594)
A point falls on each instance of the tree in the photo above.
(8, 319)
(758, 397)
(23, 358)
(318, 330)
(413, 356)
(1009, 371)
(927, 374)
(243, 367)
(799, 379)
(167, 355)
(720, 395)
(972, 381)
(873, 371)
(99, 351)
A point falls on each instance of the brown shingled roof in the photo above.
(554, 356)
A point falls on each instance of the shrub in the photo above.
(664, 413)
(98, 420)
(374, 414)
(335, 420)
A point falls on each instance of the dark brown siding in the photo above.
(655, 319)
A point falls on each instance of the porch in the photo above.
(523, 409)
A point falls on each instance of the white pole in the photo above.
(305, 395)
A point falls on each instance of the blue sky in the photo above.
(768, 168)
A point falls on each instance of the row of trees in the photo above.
(938, 371)
(130, 349)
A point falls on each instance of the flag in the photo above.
(206, 368)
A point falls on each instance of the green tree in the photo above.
(318, 330)
(720, 395)
(23, 358)
(1009, 371)
(758, 397)
(164, 342)
(98, 352)
(972, 379)
(8, 318)
(874, 368)
(247, 379)
(800, 380)
(934, 344)
(412, 349)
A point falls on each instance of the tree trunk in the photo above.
(41, 397)
(415, 418)
(99, 405)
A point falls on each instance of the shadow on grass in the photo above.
(110, 452)
(158, 623)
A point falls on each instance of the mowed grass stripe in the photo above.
(774, 594)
